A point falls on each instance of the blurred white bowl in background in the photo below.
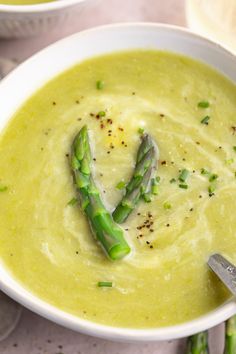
(215, 19)
(30, 20)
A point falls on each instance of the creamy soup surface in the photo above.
(23, 2)
(46, 243)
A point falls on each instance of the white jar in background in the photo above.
(215, 19)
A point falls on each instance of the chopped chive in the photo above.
(100, 85)
(183, 175)
(72, 202)
(154, 188)
(121, 185)
(105, 284)
(211, 189)
(141, 131)
(204, 172)
(229, 161)
(203, 104)
(155, 185)
(173, 180)
(102, 114)
(167, 205)
(205, 120)
(234, 148)
(213, 177)
(147, 197)
(183, 186)
(3, 188)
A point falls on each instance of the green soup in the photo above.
(24, 2)
(46, 243)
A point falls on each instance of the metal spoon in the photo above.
(225, 270)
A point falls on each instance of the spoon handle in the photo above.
(225, 270)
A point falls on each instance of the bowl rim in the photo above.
(37, 8)
(16, 291)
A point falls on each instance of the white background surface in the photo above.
(35, 335)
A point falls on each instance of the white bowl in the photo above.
(27, 78)
(29, 20)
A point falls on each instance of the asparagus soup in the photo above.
(137, 150)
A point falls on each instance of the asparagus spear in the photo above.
(198, 343)
(106, 231)
(230, 336)
(140, 183)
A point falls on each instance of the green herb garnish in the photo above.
(141, 131)
(203, 104)
(147, 197)
(155, 185)
(72, 202)
(105, 284)
(167, 205)
(3, 188)
(102, 114)
(229, 161)
(183, 186)
(173, 180)
(213, 177)
(211, 189)
(205, 120)
(121, 185)
(100, 84)
(234, 148)
(204, 172)
(183, 175)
